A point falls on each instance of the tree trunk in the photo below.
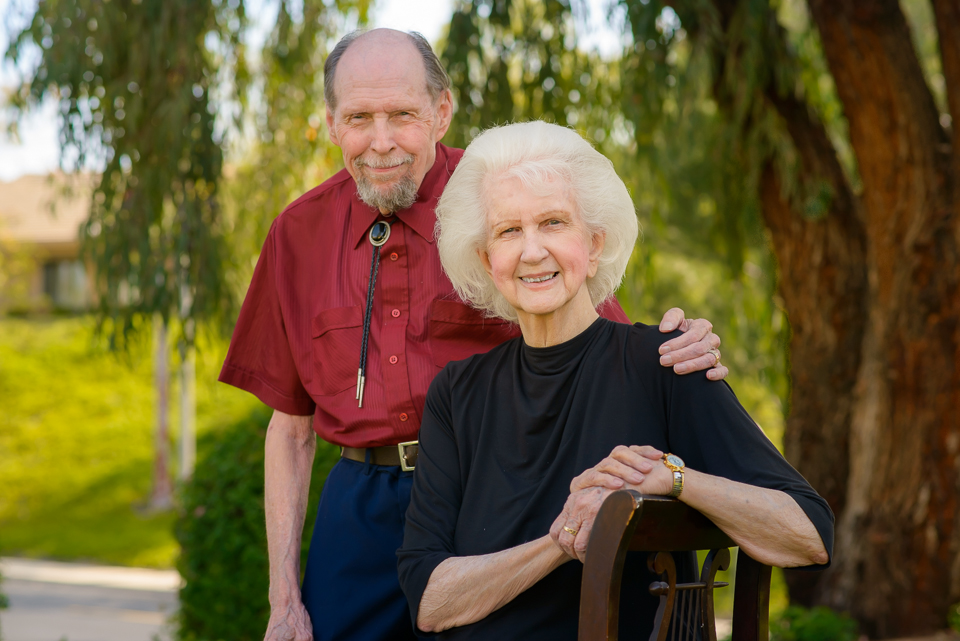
(873, 298)
(162, 494)
(822, 279)
(188, 411)
(188, 385)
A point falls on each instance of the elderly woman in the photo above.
(536, 227)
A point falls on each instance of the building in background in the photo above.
(40, 266)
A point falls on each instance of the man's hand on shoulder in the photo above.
(696, 350)
(289, 623)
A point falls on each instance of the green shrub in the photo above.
(816, 624)
(4, 603)
(953, 618)
(221, 532)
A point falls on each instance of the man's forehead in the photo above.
(384, 94)
(384, 69)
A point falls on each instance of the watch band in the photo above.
(677, 484)
(675, 464)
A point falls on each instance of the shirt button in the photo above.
(393, 360)
(394, 256)
(404, 416)
(395, 313)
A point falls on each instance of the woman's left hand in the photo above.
(625, 467)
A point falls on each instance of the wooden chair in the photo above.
(629, 520)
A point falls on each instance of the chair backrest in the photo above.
(629, 520)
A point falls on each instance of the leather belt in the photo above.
(402, 454)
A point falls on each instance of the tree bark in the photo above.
(897, 534)
(822, 279)
(947, 14)
(886, 290)
(872, 291)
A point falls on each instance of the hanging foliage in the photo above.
(134, 83)
(650, 108)
(150, 91)
(286, 150)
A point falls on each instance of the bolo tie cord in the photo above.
(379, 234)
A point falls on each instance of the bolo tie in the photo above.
(378, 235)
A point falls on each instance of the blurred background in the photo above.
(794, 167)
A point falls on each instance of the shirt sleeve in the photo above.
(611, 310)
(435, 499)
(260, 360)
(713, 433)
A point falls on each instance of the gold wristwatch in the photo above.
(675, 463)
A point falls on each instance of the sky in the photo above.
(37, 151)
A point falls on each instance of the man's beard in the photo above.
(399, 196)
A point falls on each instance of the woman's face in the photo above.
(539, 253)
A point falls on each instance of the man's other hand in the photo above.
(290, 623)
(691, 351)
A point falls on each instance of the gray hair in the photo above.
(535, 152)
(437, 79)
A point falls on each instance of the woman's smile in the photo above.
(539, 279)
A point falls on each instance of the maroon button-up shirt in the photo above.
(296, 345)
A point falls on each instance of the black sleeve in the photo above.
(435, 498)
(712, 433)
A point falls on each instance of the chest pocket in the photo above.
(458, 331)
(336, 334)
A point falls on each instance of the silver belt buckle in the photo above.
(402, 449)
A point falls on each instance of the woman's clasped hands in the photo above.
(637, 467)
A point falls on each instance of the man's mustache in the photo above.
(382, 163)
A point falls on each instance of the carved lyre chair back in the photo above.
(629, 521)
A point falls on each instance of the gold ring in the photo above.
(570, 530)
(716, 355)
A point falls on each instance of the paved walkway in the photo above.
(52, 601)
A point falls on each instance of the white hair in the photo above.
(535, 153)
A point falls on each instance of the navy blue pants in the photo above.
(350, 587)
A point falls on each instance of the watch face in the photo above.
(673, 459)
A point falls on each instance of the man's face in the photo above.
(385, 121)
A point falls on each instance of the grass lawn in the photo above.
(76, 443)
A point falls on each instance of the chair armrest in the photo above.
(664, 523)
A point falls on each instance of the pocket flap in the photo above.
(336, 318)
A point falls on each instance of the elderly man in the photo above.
(347, 320)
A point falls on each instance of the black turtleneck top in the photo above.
(504, 433)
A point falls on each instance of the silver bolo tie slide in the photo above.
(378, 235)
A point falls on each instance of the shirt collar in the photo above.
(420, 216)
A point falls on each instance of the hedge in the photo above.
(816, 624)
(222, 535)
(4, 602)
